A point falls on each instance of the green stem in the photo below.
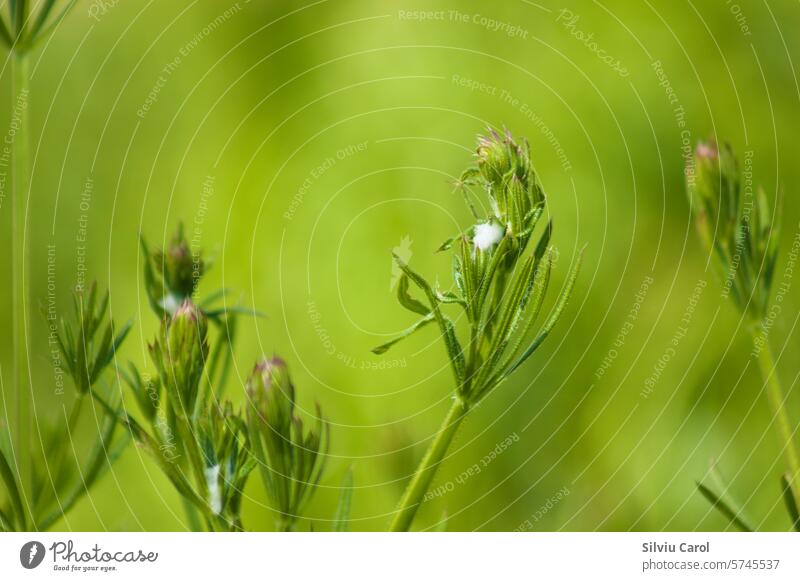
(192, 516)
(776, 399)
(21, 180)
(284, 524)
(413, 496)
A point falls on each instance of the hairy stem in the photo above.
(777, 402)
(20, 189)
(413, 495)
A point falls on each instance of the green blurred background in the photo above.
(302, 141)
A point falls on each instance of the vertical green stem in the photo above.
(413, 495)
(776, 400)
(192, 518)
(21, 180)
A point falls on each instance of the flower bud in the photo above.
(180, 355)
(291, 458)
(272, 395)
(494, 160)
(714, 192)
(510, 181)
(735, 226)
(180, 272)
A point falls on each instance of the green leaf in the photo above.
(18, 14)
(170, 470)
(447, 244)
(13, 491)
(454, 350)
(458, 275)
(226, 340)
(381, 349)
(53, 23)
(406, 300)
(210, 299)
(553, 319)
(468, 280)
(728, 510)
(530, 308)
(6, 524)
(485, 283)
(451, 298)
(791, 502)
(342, 518)
(44, 12)
(544, 241)
(441, 526)
(152, 284)
(100, 459)
(4, 33)
(506, 324)
(227, 311)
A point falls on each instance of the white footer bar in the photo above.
(381, 556)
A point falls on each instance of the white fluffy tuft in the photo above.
(487, 235)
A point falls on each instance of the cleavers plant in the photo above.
(291, 458)
(203, 445)
(500, 281)
(59, 477)
(22, 29)
(740, 232)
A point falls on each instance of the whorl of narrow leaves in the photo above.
(88, 343)
(291, 458)
(189, 430)
(498, 281)
(736, 226)
(29, 22)
(205, 449)
(59, 478)
(222, 435)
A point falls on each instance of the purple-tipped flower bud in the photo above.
(735, 226)
(180, 354)
(272, 394)
(180, 270)
(713, 185)
(494, 159)
(510, 180)
(290, 456)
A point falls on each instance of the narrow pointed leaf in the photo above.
(381, 349)
(169, 469)
(724, 508)
(454, 350)
(406, 300)
(342, 518)
(552, 320)
(447, 244)
(13, 491)
(544, 241)
(6, 524)
(791, 502)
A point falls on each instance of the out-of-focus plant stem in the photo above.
(192, 516)
(414, 494)
(21, 180)
(777, 401)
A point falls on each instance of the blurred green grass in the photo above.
(278, 89)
